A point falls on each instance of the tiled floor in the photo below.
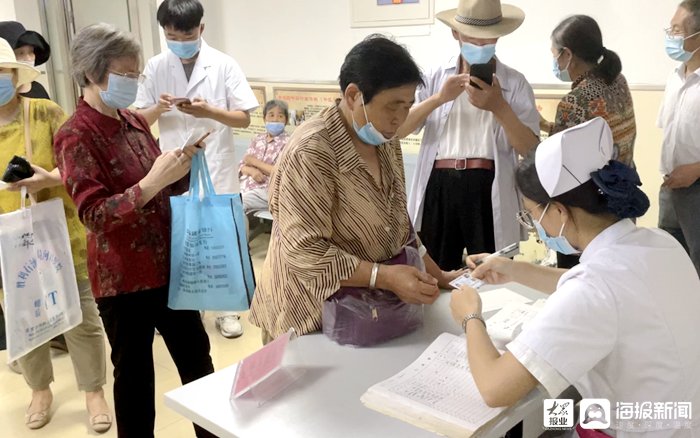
(69, 418)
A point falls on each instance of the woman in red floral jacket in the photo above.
(113, 169)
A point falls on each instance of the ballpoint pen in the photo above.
(501, 252)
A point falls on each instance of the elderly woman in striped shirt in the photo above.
(339, 201)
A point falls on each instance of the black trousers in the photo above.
(457, 214)
(130, 320)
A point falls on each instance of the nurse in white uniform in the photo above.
(623, 324)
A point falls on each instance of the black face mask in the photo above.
(17, 169)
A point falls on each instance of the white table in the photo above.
(325, 401)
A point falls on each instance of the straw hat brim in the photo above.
(513, 17)
(25, 73)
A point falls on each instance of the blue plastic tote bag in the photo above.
(210, 266)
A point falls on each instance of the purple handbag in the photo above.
(361, 317)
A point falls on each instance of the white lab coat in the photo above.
(622, 325)
(218, 79)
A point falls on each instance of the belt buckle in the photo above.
(461, 160)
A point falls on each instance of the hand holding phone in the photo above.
(177, 101)
(198, 143)
(482, 71)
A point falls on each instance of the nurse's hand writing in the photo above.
(489, 98)
(408, 283)
(453, 87)
(199, 108)
(463, 302)
(494, 270)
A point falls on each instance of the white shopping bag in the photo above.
(41, 292)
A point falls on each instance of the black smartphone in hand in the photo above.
(482, 71)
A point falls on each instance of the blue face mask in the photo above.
(274, 128)
(7, 88)
(184, 49)
(561, 74)
(368, 133)
(121, 91)
(474, 54)
(559, 244)
(675, 50)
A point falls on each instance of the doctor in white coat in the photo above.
(620, 326)
(192, 88)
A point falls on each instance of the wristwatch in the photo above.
(471, 316)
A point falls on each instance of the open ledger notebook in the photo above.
(436, 392)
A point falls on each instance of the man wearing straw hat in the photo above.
(463, 191)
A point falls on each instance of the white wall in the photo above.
(304, 40)
(7, 10)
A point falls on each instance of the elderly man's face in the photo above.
(681, 25)
(462, 38)
(387, 110)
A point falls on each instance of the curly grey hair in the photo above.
(95, 47)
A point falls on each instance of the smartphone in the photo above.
(180, 100)
(482, 71)
(201, 139)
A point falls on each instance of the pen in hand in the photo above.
(499, 253)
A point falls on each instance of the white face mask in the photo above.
(29, 63)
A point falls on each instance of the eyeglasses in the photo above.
(525, 218)
(138, 76)
(676, 32)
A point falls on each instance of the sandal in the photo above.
(101, 423)
(37, 420)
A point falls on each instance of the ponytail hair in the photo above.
(581, 34)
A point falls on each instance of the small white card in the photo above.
(466, 280)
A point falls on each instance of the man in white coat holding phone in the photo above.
(463, 190)
(192, 88)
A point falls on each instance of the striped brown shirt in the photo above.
(329, 214)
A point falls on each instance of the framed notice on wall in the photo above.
(305, 103)
(257, 123)
(383, 13)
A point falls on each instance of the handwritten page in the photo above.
(259, 365)
(497, 298)
(505, 325)
(437, 390)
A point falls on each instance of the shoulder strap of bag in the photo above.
(27, 139)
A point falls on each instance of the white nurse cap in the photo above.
(566, 159)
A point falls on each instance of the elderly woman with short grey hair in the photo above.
(120, 182)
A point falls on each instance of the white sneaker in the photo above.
(229, 326)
